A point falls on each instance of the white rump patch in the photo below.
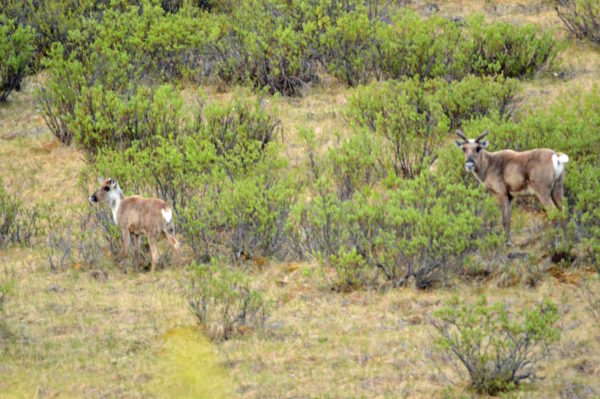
(167, 214)
(558, 162)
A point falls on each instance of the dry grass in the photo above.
(99, 333)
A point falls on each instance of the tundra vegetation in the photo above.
(306, 151)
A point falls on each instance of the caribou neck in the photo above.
(115, 202)
(481, 168)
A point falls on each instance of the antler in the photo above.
(461, 135)
(482, 135)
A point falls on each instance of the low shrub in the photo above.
(508, 49)
(83, 246)
(352, 271)
(408, 119)
(16, 53)
(224, 302)
(18, 225)
(499, 349)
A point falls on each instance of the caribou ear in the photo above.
(101, 180)
(484, 143)
(459, 143)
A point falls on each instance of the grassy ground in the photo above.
(100, 333)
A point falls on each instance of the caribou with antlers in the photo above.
(509, 173)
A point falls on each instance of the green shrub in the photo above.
(267, 48)
(581, 17)
(244, 217)
(16, 52)
(498, 349)
(106, 119)
(357, 48)
(474, 97)
(347, 45)
(508, 49)
(352, 270)
(413, 46)
(224, 302)
(407, 117)
(583, 187)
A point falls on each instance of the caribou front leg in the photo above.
(506, 203)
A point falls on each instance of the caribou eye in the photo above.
(106, 188)
(464, 149)
(478, 149)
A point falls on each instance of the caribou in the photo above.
(135, 216)
(508, 174)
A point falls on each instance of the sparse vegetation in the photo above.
(498, 350)
(18, 225)
(224, 302)
(581, 17)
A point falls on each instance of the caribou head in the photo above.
(472, 149)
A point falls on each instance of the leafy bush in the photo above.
(99, 79)
(581, 17)
(420, 228)
(224, 302)
(267, 47)
(507, 49)
(474, 97)
(413, 46)
(583, 186)
(16, 51)
(51, 19)
(357, 48)
(406, 116)
(352, 270)
(498, 350)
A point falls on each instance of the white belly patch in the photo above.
(167, 214)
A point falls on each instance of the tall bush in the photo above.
(16, 52)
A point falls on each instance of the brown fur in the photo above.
(509, 173)
(135, 216)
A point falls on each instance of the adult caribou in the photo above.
(510, 173)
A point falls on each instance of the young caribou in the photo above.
(136, 216)
(509, 173)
